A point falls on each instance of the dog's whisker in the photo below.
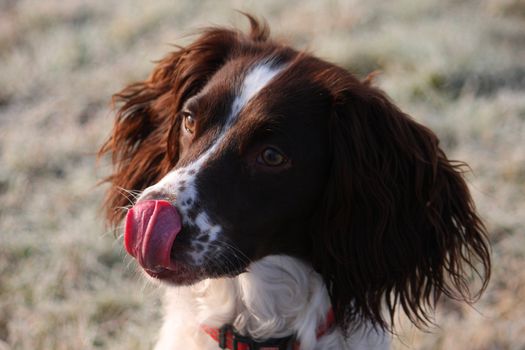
(130, 195)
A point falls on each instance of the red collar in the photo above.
(228, 338)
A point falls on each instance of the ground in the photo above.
(65, 282)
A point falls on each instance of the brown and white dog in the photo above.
(277, 190)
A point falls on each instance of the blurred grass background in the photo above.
(457, 66)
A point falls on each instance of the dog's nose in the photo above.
(151, 229)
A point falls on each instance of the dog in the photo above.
(284, 203)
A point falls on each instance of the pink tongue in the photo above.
(151, 228)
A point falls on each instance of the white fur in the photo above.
(181, 183)
(256, 79)
(276, 297)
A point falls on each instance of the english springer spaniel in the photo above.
(284, 203)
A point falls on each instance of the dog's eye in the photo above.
(271, 157)
(189, 122)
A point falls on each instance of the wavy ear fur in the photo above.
(144, 141)
(398, 224)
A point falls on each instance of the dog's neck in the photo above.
(278, 296)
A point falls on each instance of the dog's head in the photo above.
(241, 148)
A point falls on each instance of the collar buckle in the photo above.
(223, 334)
(228, 336)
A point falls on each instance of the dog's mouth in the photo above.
(154, 236)
(151, 229)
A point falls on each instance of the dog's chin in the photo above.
(179, 274)
(182, 274)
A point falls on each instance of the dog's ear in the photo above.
(145, 138)
(398, 225)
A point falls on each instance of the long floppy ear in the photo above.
(144, 141)
(399, 225)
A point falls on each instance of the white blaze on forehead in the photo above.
(181, 183)
(256, 79)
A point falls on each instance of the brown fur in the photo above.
(396, 225)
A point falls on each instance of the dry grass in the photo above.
(65, 283)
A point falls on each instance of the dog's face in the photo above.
(241, 147)
(252, 166)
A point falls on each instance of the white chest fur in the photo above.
(278, 296)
